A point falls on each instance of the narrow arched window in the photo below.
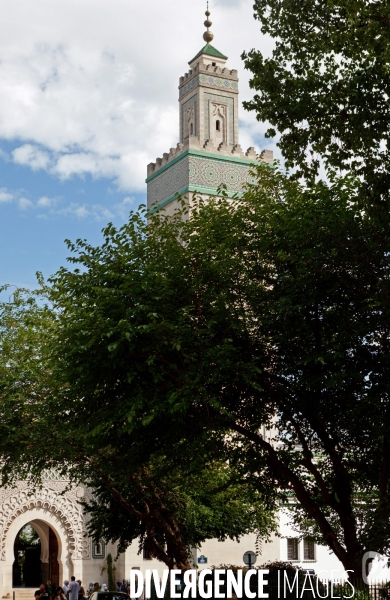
(218, 125)
(191, 129)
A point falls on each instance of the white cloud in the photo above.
(79, 211)
(83, 211)
(76, 210)
(31, 156)
(24, 203)
(46, 207)
(5, 196)
(90, 86)
(123, 208)
(45, 202)
(83, 163)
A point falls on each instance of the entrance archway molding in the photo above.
(48, 507)
(37, 518)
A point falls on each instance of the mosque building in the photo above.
(207, 156)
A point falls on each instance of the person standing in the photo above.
(96, 587)
(51, 589)
(65, 588)
(41, 594)
(81, 590)
(59, 594)
(74, 589)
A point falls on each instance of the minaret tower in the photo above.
(209, 153)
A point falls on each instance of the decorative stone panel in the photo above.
(209, 101)
(210, 81)
(212, 173)
(188, 113)
(172, 180)
(60, 506)
(201, 174)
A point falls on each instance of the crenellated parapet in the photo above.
(202, 67)
(209, 147)
(208, 76)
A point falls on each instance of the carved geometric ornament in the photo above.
(190, 113)
(64, 510)
(218, 110)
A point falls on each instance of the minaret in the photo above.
(208, 154)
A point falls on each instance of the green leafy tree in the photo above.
(325, 88)
(213, 503)
(255, 331)
(25, 379)
(139, 491)
(28, 537)
(264, 324)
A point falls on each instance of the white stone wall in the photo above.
(228, 552)
(325, 561)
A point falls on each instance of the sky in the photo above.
(88, 97)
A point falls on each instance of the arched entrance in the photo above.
(60, 525)
(27, 567)
(36, 556)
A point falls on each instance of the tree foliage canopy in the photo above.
(326, 87)
(140, 490)
(271, 307)
(255, 331)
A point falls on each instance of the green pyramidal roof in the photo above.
(211, 51)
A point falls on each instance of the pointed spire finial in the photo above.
(208, 35)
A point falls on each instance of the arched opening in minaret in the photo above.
(27, 567)
(191, 129)
(219, 129)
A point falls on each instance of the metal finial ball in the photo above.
(208, 36)
(207, 13)
(208, 23)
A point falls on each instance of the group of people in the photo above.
(73, 590)
(70, 591)
(121, 586)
